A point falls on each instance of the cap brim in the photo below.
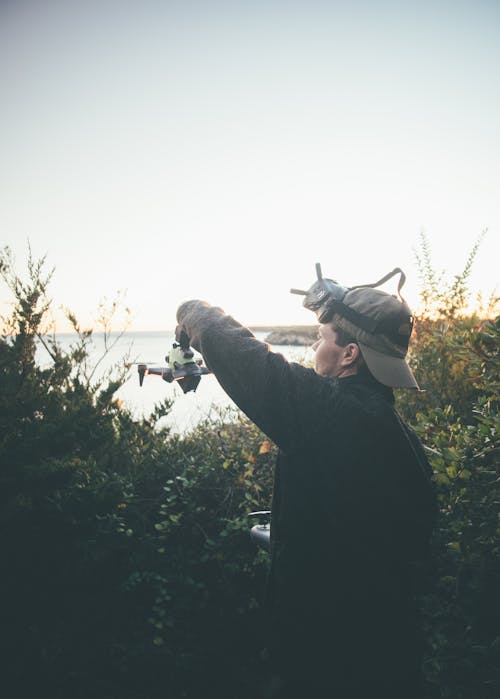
(388, 370)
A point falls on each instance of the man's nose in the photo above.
(315, 346)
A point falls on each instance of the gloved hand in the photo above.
(181, 335)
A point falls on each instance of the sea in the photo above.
(208, 401)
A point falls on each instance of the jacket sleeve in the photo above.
(272, 392)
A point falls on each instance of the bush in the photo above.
(456, 358)
(128, 569)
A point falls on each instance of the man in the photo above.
(353, 507)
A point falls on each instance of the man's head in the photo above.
(367, 328)
(337, 353)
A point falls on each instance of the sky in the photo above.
(218, 150)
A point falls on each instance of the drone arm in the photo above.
(164, 372)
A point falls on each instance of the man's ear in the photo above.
(351, 355)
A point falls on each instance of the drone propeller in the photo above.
(143, 370)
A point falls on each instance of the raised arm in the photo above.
(274, 393)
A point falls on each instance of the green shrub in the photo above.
(456, 359)
(128, 568)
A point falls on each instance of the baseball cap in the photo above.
(382, 326)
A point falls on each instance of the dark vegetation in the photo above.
(128, 571)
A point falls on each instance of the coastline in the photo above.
(298, 335)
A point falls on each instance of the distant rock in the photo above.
(301, 335)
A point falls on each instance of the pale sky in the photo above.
(218, 150)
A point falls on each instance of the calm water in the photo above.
(151, 347)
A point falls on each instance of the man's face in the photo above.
(331, 359)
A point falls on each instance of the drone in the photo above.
(181, 367)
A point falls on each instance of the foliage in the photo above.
(443, 328)
(457, 363)
(128, 569)
(442, 298)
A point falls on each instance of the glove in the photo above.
(183, 312)
(181, 337)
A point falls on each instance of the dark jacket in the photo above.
(352, 512)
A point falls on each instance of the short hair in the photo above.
(343, 339)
